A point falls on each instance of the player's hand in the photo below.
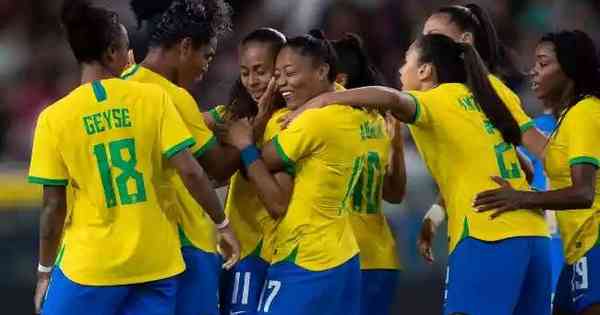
(425, 240)
(43, 279)
(394, 130)
(229, 247)
(240, 133)
(266, 104)
(502, 199)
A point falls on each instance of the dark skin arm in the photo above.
(220, 161)
(52, 220)
(526, 167)
(580, 195)
(394, 182)
(274, 187)
(198, 185)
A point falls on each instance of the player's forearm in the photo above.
(394, 186)
(377, 97)
(274, 196)
(52, 220)
(562, 199)
(535, 142)
(221, 162)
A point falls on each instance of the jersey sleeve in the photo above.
(302, 138)
(273, 126)
(194, 120)
(47, 166)
(174, 135)
(583, 127)
(423, 114)
(513, 104)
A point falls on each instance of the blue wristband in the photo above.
(250, 154)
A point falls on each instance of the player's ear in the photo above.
(341, 79)
(425, 71)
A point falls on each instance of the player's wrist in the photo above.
(249, 154)
(43, 269)
(223, 225)
(436, 214)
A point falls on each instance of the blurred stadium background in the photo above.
(37, 68)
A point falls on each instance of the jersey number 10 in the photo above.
(127, 172)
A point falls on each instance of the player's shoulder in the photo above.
(589, 104)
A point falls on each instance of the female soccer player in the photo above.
(314, 266)
(567, 76)
(496, 266)
(183, 40)
(378, 255)
(110, 139)
(252, 96)
(472, 25)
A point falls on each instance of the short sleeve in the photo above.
(583, 127)
(513, 104)
(194, 120)
(422, 116)
(273, 126)
(303, 137)
(47, 166)
(174, 135)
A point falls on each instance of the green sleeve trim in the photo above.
(99, 91)
(59, 258)
(585, 160)
(47, 181)
(207, 146)
(186, 144)
(215, 115)
(289, 165)
(526, 126)
(127, 75)
(417, 109)
(183, 239)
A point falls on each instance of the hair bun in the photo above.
(147, 9)
(75, 13)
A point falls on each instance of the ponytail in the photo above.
(318, 48)
(487, 98)
(354, 61)
(461, 63)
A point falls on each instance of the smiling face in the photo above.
(299, 78)
(257, 65)
(548, 78)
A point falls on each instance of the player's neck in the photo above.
(94, 71)
(157, 60)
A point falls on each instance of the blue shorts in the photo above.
(241, 286)
(65, 297)
(379, 288)
(511, 276)
(198, 285)
(292, 290)
(579, 284)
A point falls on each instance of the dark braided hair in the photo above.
(578, 58)
(90, 30)
(201, 20)
(241, 104)
(353, 60)
(318, 48)
(460, 63)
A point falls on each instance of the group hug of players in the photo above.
(311, 143)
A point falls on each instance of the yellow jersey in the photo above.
(513, 103)
(375, 240)
(323, 149)
(576, 142)
(110, 140)
(462, 150)
(195, 226)
(249, 219)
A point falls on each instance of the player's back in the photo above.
(462, 150)
(113, 137)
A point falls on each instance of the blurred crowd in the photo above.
(36, 66)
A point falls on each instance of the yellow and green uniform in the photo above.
(250, 220)
(323, 149)
(576, 142)
(372, 232)
(462, 151)
(110, 140)
(195, 226)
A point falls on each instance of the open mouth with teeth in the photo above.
(287, 95)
